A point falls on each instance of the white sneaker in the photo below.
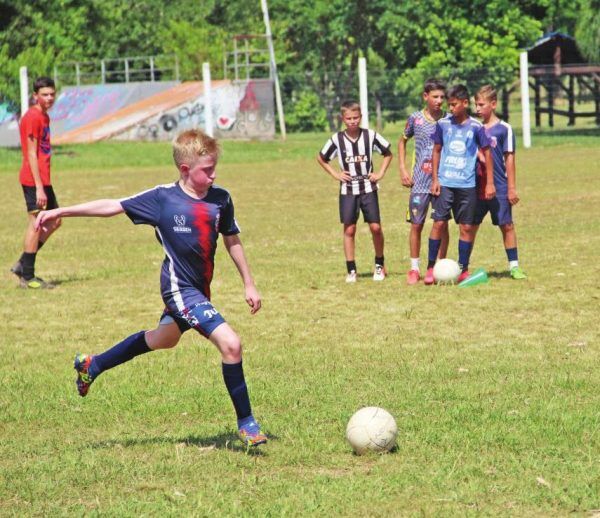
(379, 273)
(351, 277)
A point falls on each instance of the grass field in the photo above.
(495, 388)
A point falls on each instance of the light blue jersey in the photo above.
(460, 143)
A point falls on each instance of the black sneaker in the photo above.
(35, 283)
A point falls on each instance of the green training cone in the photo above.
(479, 276)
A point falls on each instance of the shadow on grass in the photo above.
(223, 441)
(499, 275)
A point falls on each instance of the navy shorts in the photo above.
(461, 202)
(418, 204)
(31, 199)
(201, 316)
(499, 208)
(352, 204)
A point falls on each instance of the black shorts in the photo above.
(352, 204)
(31, 199)
(461, 202)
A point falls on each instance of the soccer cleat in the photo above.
(84, 380)
(17, 269)
(379, 273)
(517, 273)
(249, 432)
(351, 277)
(35, 283)
(463, 275)
(429, 280)
(413, 277)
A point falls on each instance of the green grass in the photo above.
(494, 388)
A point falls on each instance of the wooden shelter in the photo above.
(559, 70)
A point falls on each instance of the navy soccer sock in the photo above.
(512, 254)
(380, 261)
(233, 374)
(464, 254)
(351, 266)
(434, 248)
(124, 351)
(28, 262)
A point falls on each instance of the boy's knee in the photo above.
(350, 230)
(375, 228)
(231, 349)
(509, 227)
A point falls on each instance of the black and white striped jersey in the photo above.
(356, 158)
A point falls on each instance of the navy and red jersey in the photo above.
(502, 141)
(188, 229)
(35, 124)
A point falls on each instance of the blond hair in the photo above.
(487, 92)
(350, 106)
(192, 144)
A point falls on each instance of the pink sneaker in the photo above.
(464, 275)
(413, 277)
(429, 280)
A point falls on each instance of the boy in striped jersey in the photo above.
(187, 215)
(421, 125)
(354, 148)
(502, 144)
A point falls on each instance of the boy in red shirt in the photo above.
(35, 179)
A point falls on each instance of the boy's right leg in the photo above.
(89, 367)
(441, 206)
(349, 251)
(230, 347)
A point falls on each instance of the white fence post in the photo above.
(524, 70)
(24, 81)
(364, 97)
(208, 109)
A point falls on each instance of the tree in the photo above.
(587, 32)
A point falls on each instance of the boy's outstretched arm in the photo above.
(490, 188)
(405, 178)
(101, 208)
(236, 251)
(511, 177)
(435, 163)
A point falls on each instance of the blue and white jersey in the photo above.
(187, 229)
(421, 127)
(502, 140)
(459, 150)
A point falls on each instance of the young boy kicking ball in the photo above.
(187, 215)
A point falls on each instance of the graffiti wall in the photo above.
(243, 110)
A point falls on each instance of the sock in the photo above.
(464, 254)
(233, 375)
(40, 245)
(434, 247)
(124, 351)
(351, 266)
(379, 260)
(414, 263)
(513, 257)
(28, 262)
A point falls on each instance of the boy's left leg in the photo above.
(230, 347)
(509, 236)
(464, 209)
(369, 204)
(89, 367)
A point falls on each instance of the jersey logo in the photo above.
(180, 225)
(356, 159)
(458, 147)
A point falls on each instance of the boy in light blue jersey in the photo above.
(457, 139)
(421, 125)
(502, 144)
(187, 215)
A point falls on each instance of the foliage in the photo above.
(305, 113)
(588, 30)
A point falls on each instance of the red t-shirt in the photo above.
(35, 124)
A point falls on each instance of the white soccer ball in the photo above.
(371, 429)
(446, 270)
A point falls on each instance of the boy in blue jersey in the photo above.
(187, 216)
(421, 125)
(502, 143)
(457, 140)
